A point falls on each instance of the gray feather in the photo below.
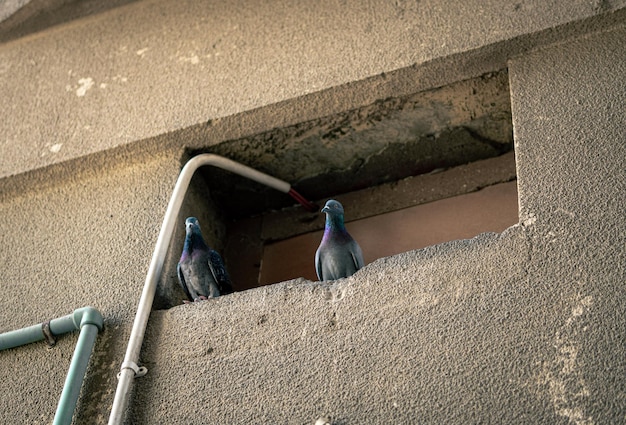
(201, 271)
(338, 255)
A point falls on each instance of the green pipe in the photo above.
(89, 321)
(75, 375)
(59, 326)
(21, 337)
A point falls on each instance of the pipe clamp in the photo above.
(47, 333)
(138, 370)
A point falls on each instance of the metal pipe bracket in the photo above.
(47, 333)
(139, 371)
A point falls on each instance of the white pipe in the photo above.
(129, 367)
(242, 170)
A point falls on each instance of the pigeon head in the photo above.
(333, 207)
(334, 214)
(193, 238)
(192, 225)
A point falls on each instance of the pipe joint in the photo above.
(87, 316)
(47, 333)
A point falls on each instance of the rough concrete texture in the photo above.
(526, 326)
(80, 88)
(569, 106)
(444, 335)
(87, 241)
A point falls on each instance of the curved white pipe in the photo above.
(245, 171)
(129, 367)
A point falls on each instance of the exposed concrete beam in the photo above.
(155, 67)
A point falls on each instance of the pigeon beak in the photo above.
(325, 209)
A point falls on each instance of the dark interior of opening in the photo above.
(379, 143)
(392, 155)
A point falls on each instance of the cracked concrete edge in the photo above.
(313, 321)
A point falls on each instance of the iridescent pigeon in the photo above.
(201, 271)
(338, 254)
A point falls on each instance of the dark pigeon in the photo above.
(338, 255)
(201, 271)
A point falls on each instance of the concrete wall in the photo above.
(526, 326)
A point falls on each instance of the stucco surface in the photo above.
(79, 87)
(87, 241)
(426, 336)
(522, 327)
(569, 120)
(526, 326)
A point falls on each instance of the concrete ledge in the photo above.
(435, 342)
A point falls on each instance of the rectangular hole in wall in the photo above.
(410, 171)
(374, 220)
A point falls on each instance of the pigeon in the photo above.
(338, 254)
(201, 271)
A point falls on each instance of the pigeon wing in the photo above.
(357, 255)
(181, 279)
(219, 273)
(318, 264)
